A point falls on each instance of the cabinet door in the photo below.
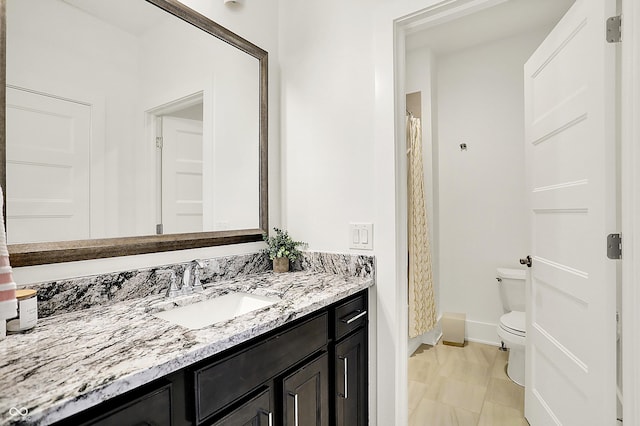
(351, 392)
(306, 394)
(255, 412)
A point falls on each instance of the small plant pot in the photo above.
(281, 264)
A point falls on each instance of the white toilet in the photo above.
(511, 327)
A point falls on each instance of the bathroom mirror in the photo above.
(132, 126)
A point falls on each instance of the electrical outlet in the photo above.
(361, 236)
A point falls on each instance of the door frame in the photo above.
(153, 128)
(630, 208)
(433, 13)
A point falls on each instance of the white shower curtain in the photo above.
(422, 307)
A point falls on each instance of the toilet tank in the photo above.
(511, 284)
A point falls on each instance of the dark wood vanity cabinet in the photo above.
(309, 372)
(315, 368)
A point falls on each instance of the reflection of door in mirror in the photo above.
(181, 155)
(48, 142)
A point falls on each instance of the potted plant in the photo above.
(282, 249)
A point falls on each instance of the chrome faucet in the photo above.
(173, 290)
(190, 282)
(191, 278)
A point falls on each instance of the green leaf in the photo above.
(282, 245)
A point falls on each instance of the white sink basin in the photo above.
(223, 308)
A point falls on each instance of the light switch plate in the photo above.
(361, 236)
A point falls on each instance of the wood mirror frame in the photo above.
(67, 251)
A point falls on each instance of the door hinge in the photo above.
(159, 229)
(159, 142)
(614, 246)
(614, 29)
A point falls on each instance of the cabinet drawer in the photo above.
(350, 315)
(152, 409)
(224, 381)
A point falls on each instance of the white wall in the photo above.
(257, 22)
(482, 200)
(327, 102)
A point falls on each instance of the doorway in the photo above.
(466, 210)
(473, 129)
(177, 129)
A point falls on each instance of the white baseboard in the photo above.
(437, 338)
(482, 332)
(414, 344)
(431, 337)
(475, 331)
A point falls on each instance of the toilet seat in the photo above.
(511, 328)
(514, 323)
(516, 344)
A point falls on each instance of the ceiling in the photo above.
(506, 19)
(134, 17)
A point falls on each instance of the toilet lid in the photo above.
(514, 320)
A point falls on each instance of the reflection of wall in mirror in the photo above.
(235, 133)
(229, 80)
(100, 68)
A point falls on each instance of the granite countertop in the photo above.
(73, 361)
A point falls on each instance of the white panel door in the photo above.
(570, 148)
(48, 169)
(181, 175)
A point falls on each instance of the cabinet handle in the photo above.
(346, 376)
(352, 319)
(269, 415)
(295, 408)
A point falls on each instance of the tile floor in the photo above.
(452, 386)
